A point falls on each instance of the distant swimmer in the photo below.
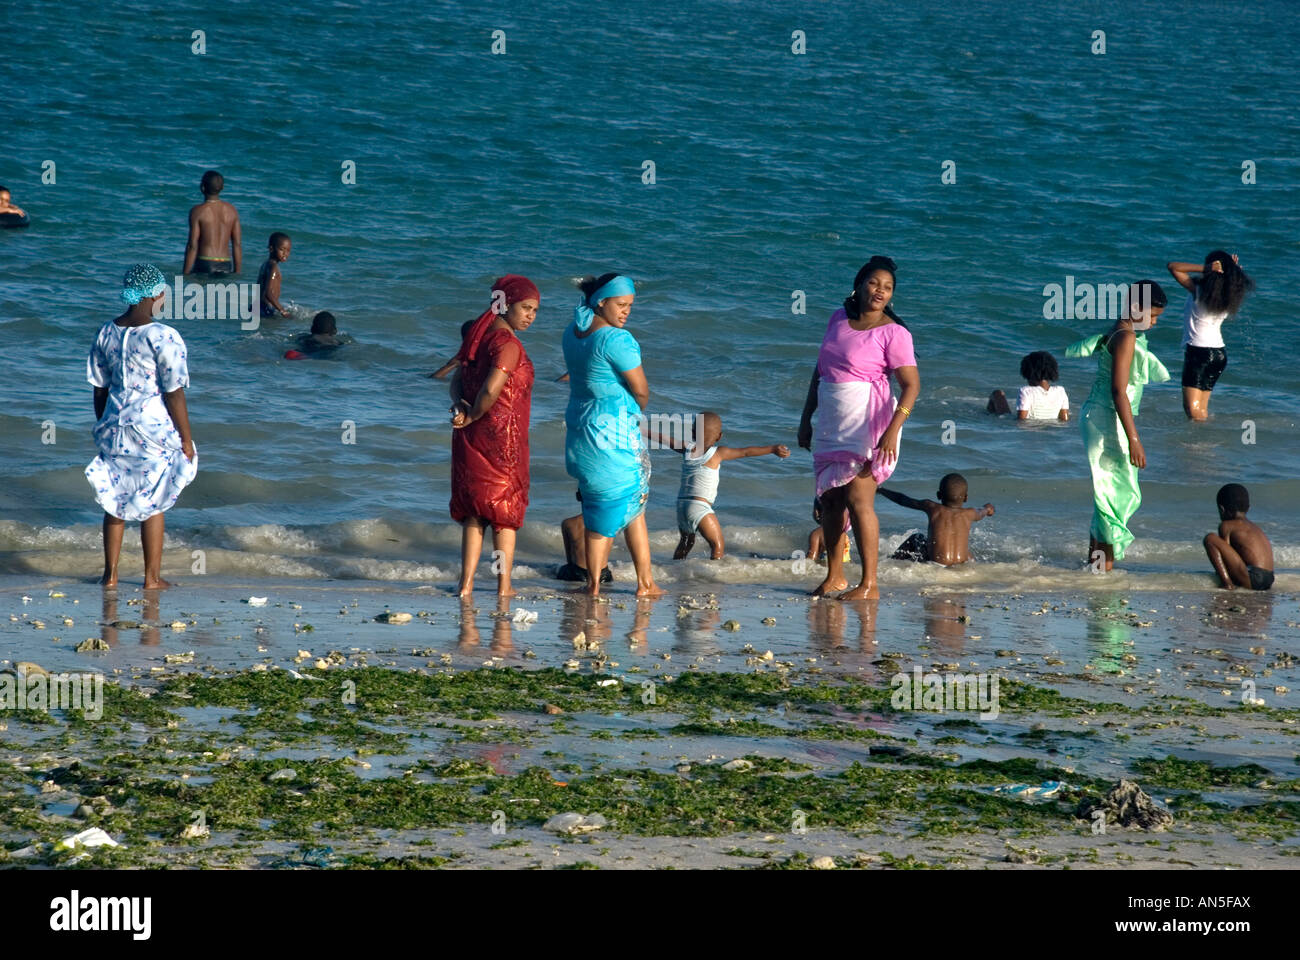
(268, 278)
(214, 243)
(11, 215)
(323, 340)
(1041, 399)
(1240, 551)
(947, 538)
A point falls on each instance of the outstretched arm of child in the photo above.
(445, 369)
(180, 414)
(984, 511)
(738, 453)
(903, 500)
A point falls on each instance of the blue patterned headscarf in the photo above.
(584, 314)
(142, 281)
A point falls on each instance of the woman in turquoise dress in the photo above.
(1109, 419)
(604, 447)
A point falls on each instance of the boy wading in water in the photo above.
(1240, 552)
(947, 540)
(214, 243)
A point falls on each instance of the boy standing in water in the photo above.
(1240, 552)
(947, 541)
(268, 278)
(214, 243)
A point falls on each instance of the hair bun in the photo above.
(885, 262)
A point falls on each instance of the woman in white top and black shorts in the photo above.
(1213, 297)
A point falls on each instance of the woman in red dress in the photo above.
(491, 395)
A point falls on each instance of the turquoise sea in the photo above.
(774, 172)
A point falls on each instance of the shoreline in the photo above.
(449, 725)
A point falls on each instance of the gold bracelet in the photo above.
(907, 411)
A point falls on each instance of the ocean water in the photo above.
(774, 173)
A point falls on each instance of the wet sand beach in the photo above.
(746, 727)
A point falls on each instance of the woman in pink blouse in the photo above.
(855, 447)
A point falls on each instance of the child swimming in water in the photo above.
(1040, 399)
(1213, 297)
(701, 463)
(323, 340)
(7, 205)
(268, 278)
(947, 541)
(1240, 552)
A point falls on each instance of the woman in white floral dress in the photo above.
(146, 455)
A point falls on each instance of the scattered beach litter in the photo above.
(1129, 806)
(574, 823)
(389, 617)
(256, 601)
(1043, 791)
(525, 616)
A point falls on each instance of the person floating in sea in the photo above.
(1040, 399)
(947, 539)
(604, 449)
(278, 246)
(1240, 552)
(701, 470)
(491, 408)
(858, 421)
(146, 453)
(1109, 419)
(11, 215)
(1214, 296)
(323, 340)
(214, 244)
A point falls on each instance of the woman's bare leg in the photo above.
(638, 544)
(866, 530)
(1196, 403)
(151, 537)
(471, 548)
(833, 504)
(597, 556)
(503, 543)
(113, 530)
(1105, 549)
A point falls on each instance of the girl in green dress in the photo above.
(1109, 419)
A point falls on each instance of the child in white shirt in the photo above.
(1040, 398)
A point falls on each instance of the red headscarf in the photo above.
(515, 288)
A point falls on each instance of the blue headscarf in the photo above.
(142, 281)
(584, 314)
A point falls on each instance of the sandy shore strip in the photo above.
(749, 727)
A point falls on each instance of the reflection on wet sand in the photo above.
(150, 634)
(944, 622)
(1109, 633)
(502, 636)
(827, 620)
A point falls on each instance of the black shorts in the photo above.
(1260, 579)
(1202, 366)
